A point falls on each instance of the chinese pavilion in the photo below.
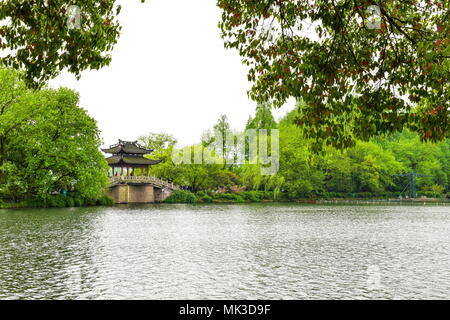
(128, 156)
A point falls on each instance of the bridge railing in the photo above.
(143, 179)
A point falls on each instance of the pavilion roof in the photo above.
(123, 159)
(130, 147)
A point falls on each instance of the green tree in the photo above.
(222, 131)
(357, 79)
(373, 169)
(426, 158)
(157, 141)
(263, 118)
(48, 143)
(337, 169)
(163, 144)
(38, 38)
(298, 167)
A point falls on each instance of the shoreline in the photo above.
(339, 201)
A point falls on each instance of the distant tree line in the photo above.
(369, 169)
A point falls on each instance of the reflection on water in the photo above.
(261, 251)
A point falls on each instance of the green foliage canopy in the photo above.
(37, 38)
(356, 82)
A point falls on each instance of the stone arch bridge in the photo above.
(139, 189)
(129, 186)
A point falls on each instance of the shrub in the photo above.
(206, 199)
(265, 195)
(181, 196)
(57, 201)
(38, 202)
(78, 202)
(90, 202)
(69, 202)
(283, 196)
(251, 196)
(436, 191)
(227, 196)
(201, 194)
(105, 201)
(231, 197)
(429, 194)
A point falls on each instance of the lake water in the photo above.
(257, 251)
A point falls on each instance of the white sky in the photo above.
(170, 73)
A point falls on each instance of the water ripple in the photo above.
(270, 251)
